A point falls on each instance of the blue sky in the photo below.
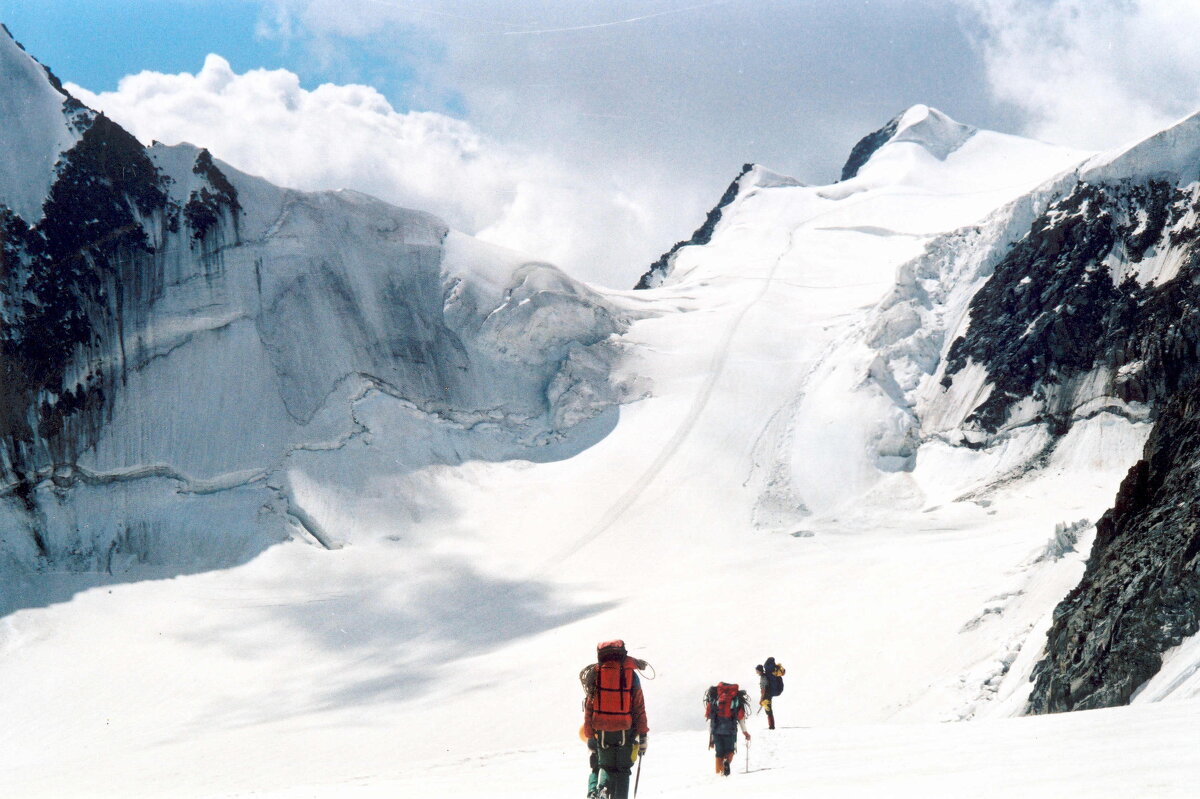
(95, 43)
(633, 114)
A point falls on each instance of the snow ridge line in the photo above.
(716, 369)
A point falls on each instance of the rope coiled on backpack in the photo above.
(587, 676)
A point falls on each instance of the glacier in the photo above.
(232, 326)
(324, 492)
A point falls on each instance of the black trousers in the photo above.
(725, 744)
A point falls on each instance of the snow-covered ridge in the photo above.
(230, 329)
(661, 269)
(1171, 154)
(921, 125)
(37, 129)
(922, 152)
(932, 130)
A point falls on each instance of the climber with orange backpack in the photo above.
(725, 708)
(614, 718)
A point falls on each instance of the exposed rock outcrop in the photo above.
(1103, 288)
(662, 267)
(1140, 594)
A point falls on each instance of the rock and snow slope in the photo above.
(178, 334)
(29, 93)
(430, 429)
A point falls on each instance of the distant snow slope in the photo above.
(473, 468)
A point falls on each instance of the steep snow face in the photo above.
(830, 255)
(36, 129)
(1170, 155)
(195, 334)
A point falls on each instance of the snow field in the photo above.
(437, 650)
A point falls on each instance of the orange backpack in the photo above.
(612, 691)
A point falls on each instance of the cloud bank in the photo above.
(1092, 73)
(263, 122)
(596, 135)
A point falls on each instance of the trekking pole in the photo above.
(638, 778)
(747, 755)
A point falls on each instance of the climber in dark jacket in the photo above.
(764, 700)
(770, 685)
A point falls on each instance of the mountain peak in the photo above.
(30, 93)
(933, 130)
(919, 124)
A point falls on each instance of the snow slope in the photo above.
(44, 130)
(186, 335)
(767, 487)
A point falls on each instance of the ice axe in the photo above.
(637, 778)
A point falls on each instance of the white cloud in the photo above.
(265, 123)
(1093, 73)
(658, 101)
(596, 134)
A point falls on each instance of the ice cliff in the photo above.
(178, 337)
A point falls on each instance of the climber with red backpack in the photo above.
(614, 718)
(725, 708)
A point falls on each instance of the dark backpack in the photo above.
(774, 673)
(725, 701)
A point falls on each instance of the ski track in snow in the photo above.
(716, 369)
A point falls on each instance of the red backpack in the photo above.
(612, 691)
(725, 701)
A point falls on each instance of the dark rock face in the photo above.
(1065, 303)
(206, 208)
(71, 271)
(1140, 594)
(75, 283)
(703, 235)
(867, 146)
(1052, 312)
